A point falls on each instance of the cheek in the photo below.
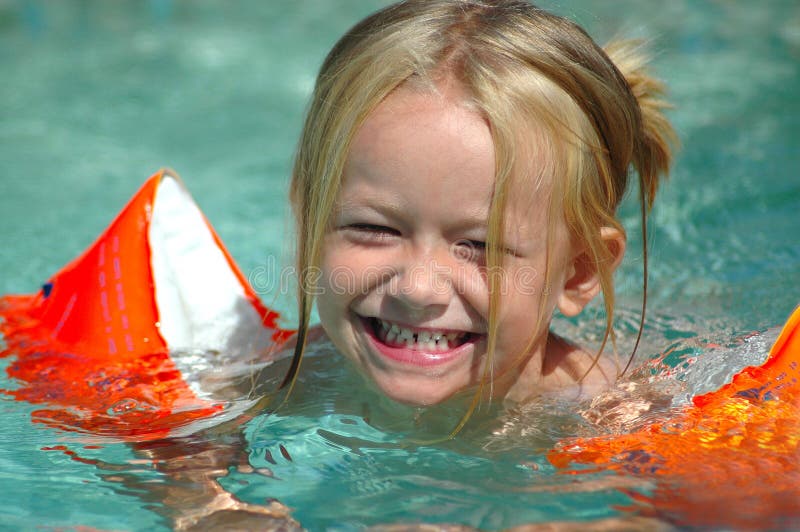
(349, 272)
(333, 284)
(329, 305)
(471, 283)
(338, 271)
(526, 305)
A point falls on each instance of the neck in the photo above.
(557, 366)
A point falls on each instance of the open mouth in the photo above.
(423, 348)
(429, 340)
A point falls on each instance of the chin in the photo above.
(416, 395)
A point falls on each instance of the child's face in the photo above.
(403, 290)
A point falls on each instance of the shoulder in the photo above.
(570, 369)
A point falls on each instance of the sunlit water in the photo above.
(96, 96)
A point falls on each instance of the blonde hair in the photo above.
(528, 72)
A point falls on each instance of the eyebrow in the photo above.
(378, 204)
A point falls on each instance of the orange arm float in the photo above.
(96, 343)
(732, 458)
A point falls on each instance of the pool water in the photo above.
(96, 96)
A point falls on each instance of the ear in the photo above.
(582, 280)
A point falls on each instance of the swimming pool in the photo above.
(97, 96)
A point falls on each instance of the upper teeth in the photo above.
(419, 339)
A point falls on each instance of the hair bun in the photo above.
(653, 152)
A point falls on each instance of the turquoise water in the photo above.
(96, 96)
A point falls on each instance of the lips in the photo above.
(418, 346)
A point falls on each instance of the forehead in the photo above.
(426, 122)
(437, 142)
(419, 138)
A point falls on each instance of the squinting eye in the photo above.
(471, 250)
(369, 233)
(373, 228)
(475, 250)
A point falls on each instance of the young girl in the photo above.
(456, 182)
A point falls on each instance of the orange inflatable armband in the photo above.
(96, 343)
(732, 458)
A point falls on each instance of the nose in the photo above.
(424, 281)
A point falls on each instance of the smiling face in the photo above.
(403, 291)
